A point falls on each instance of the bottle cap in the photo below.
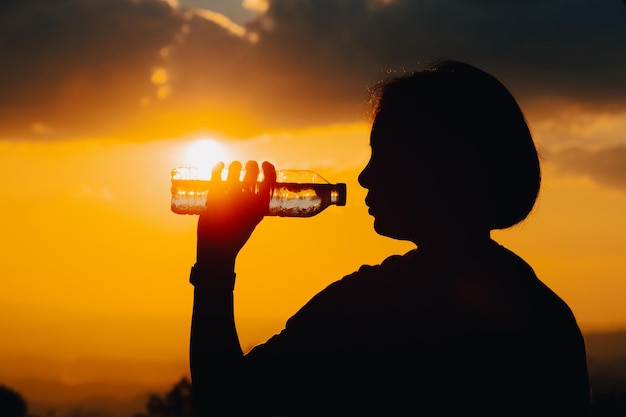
(342, 191)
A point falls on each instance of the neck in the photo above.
(464, 245)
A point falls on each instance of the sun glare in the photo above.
(204, 154)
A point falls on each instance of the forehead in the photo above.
(391, 140)
(399, 127)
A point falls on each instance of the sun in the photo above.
(204, 154)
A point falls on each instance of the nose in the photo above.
(364, 176)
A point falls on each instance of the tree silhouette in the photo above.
(12, 404)
(175, 403)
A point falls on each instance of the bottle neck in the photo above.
(338, 194)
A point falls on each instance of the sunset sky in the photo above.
(100, 99)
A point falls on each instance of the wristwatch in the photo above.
(208, 275)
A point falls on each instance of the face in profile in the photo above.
(402, 195)
(451, 154)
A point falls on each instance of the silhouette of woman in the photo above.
(458, 326)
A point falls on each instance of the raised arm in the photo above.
(216, 358)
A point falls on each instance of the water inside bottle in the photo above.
(189, 196)
(294, 200)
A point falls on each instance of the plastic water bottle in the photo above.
(296, 193)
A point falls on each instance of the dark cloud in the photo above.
(78, 65)
(315, 59)
(558, 47)
(301, 62)
(604, 166)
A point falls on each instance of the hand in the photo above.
(233, 210)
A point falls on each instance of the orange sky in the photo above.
(94, 270)
(96, 265)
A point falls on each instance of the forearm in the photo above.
(216, 359)
(215, 354)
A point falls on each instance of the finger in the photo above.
(269, 173)
(252, 173)
(234, 171)
(267, 185)
(216, 172)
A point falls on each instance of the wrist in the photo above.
(216, 257)
(213, 275)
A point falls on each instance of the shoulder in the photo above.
(505, 289)
(356, 293)
(390, 265)
(341, 306)
(521, 282)
(367, 277)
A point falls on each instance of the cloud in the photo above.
(81, 68)
(221, 20)
(564, 125)
(563, 48)
(604, 166)
(77, 66)
(256, 5)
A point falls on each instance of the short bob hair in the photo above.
(485, 117)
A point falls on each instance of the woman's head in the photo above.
(465, 129)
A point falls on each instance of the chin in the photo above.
(389, 230)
